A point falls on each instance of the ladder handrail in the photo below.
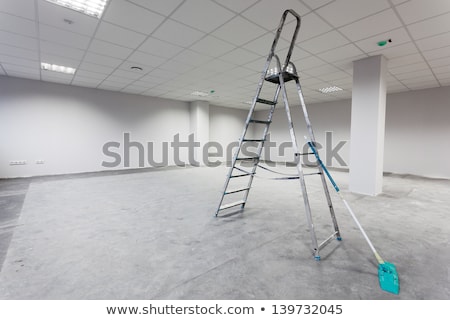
(278, 34)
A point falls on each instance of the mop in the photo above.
(387, 273)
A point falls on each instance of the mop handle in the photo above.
(311, 145)
(377, 256)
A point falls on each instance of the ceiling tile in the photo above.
(131, 16)
(85, 82)
(176, 67)
(33, 64)
(327, 41)
(437, 53)
(177, 33)
(318, 71)
(19, 52)
(160, 48)
(218, 66)
(309, 62)
(430, 27)
(344, 52)
(145, 59)
(440, 70)
(434, 42)
(416, 10)
(408, 68)
(102, 60)
(192, 13)
(92, 67)
(134, 89)
(192, 58)
(239, 31)
(397, 2)
(117, 35)
(236, 5)
(338, 75)
(342, 12)
(267, 13)
(90, 75)
(397, 51)
(405, 60)
(61, 50)
(262, 45)
(127, 74)
(312, 25)
(164, 7)
(17, 25)
(17, 40)
(371, 26)
(212, 46)
(109, 49)
(21, 8)
(56, 77)
(11, 68)
(440, 62)
(314, 4)
(111, 85)
(420, 75)
(398, 36)
(24, 75)
(443, 76)
(57, 16)
(60, 36)
(239, 56)
(119, 81)
(421, 85)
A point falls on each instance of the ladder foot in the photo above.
(317, 258)
(339, 239)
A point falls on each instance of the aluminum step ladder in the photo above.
(244, 164)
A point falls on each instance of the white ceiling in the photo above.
(202, 45)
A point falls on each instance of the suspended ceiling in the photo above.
(184, 46)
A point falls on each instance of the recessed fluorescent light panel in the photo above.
(330, 89)
(200, 94)
(93, 8)
(56, 68)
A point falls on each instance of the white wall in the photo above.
(417, 130)
(225, 127)
(418, 133)
(325, 117)
(67, 126)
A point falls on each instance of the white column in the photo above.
(199, 125)
(367, 125)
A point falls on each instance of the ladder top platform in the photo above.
(273, 74)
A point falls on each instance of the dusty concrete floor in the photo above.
(152, 235)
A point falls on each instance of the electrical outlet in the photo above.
(18, 163)
(40, 161)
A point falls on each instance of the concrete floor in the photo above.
(152, 235)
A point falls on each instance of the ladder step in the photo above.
(247, 158)
(310, 174)
(271, 103)
(260, 121)
(237, 190)
(240, 175)
(232, 204)
(254, 140)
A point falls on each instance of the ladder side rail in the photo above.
(261, 145)
(294, 36)
(299, 165)
(313, 140)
